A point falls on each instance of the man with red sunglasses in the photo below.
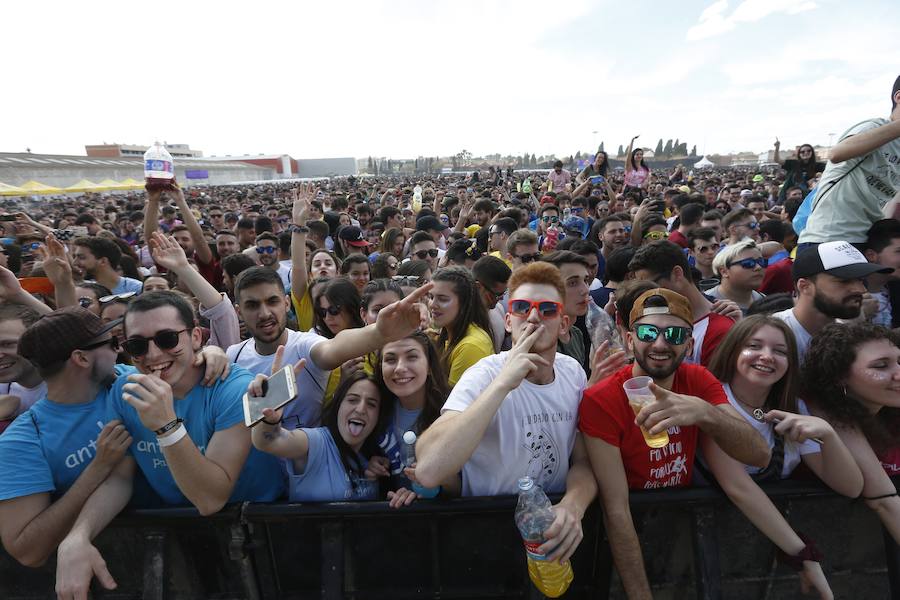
(688, 399)
(515, 413)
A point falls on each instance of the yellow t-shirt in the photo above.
(471, 230)
(474, 346)
(303, 308)
(500, 256)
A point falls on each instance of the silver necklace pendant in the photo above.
(758, 414)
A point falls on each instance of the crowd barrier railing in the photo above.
(694, 541)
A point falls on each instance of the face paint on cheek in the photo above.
(876, 376)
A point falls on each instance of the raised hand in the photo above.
(399, 319)
(10, 288)
(302, 198)
(167, 253)
(56, 264)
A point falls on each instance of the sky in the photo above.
(402, 79)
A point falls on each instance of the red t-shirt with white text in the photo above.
(605, 414)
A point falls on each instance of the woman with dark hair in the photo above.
(409, 372)
(337, 308)
(385, 266)
(328, 463)
(459, 313)
(758, 366)
(600, 166)
(851, 376)
(128, 268)
(356, 268)
(393, 241)
(413, 274)
(322, 264)
(378, 294)
(798, 171)
(637, 173)
(88, 295)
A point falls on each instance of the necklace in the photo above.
(756, 412)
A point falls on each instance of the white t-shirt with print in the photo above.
(311, 380)
(532, 433)
(793, 452)
(847, 211)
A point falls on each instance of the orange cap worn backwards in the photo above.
(669, 303)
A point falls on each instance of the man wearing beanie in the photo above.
(686, 400)
(861, 177)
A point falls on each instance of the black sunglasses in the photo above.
(527, 258)
(164, 340)
(421, 254)
(112, 342)
(333, 310)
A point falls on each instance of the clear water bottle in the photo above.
(417, 199)
(159, 169)
(409, 460)
(534, 514)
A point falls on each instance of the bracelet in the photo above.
(299, 228)
(809, 552)
(172, 439)
(168, 427)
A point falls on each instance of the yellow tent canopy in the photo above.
(132, 184)
(11, 190)
(109, 184)
(35, 188)
(85, 185)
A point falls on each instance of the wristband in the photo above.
(173, 438)
(168, 427)
(299, 229)
(809, 552)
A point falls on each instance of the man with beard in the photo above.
(62, 447)
(687, 400)
(261, 300)
(97, 258)
(267, 254)
(613, 233)
(829, 279)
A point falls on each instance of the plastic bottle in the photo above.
(533, 516)
(551, 239)
(409, 460)
(526, 187)
(159, 169)
(417, 199)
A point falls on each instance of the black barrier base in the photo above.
(695, 545)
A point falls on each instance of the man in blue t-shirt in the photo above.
(57, 453)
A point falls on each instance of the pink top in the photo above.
(636, 177)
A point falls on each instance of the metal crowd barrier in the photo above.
(695, 545)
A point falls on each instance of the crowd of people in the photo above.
(497, 315)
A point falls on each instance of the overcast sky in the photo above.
(402, 79)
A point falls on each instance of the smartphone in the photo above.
(597, 179)
(78, 230)
(279, 389)
(7, 218)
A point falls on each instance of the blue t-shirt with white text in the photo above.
(205, 410)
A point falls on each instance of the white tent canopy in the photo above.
(704, 163)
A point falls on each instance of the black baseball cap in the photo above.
(429, 222)
(840, 259)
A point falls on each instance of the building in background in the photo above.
(119, 150)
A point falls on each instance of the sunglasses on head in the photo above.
(164, 340)
(265, 249)
(547, 309)
(749, 263)
(333, 310)
(674, 335)
(114, 297)
(406, 280)
(423, 254)
(112, 342)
